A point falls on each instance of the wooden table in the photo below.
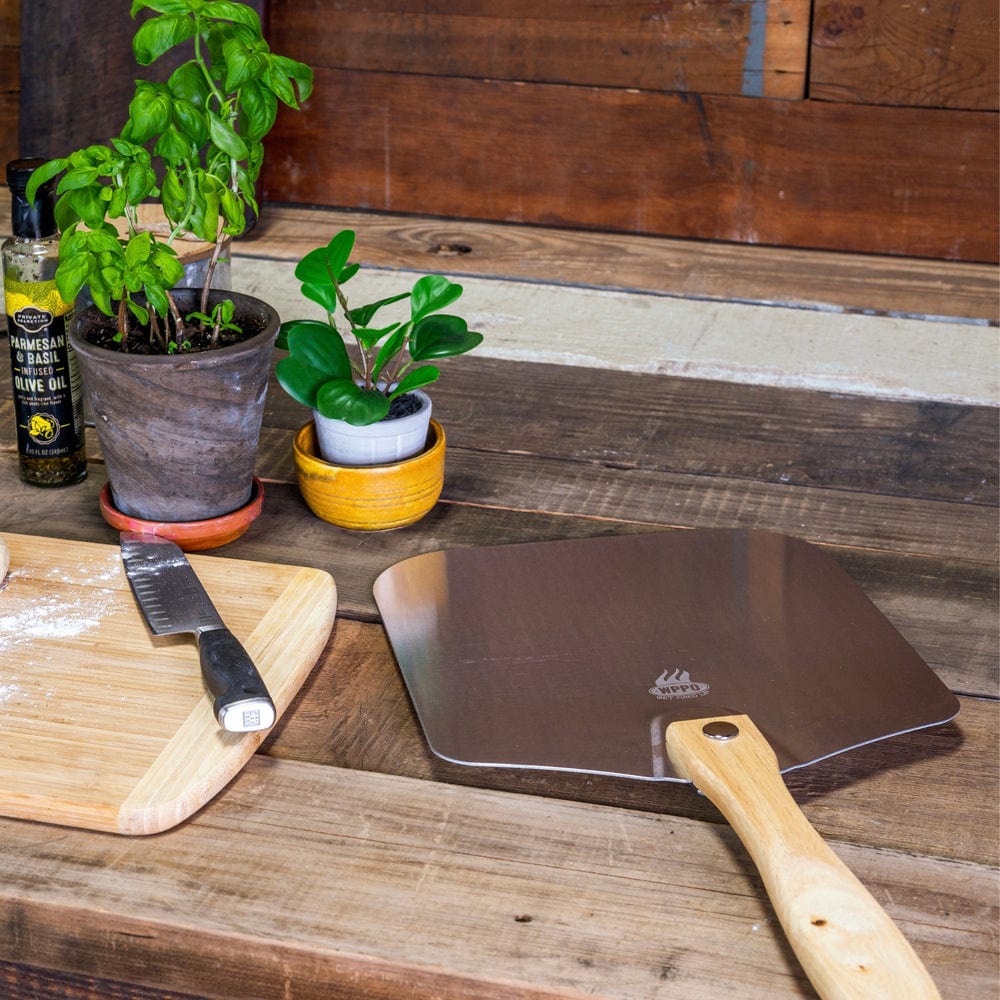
(346, 861)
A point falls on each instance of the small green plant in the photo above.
(320, 373)
(196, 143)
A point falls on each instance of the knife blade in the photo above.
(173, 600)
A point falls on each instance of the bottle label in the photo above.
(48, 403)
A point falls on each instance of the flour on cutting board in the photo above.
(54, 618)
(28, 617)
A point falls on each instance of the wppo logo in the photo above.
(677, 685)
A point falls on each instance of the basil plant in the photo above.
(195, 142)
(321, 374)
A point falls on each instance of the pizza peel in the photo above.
(712, 656)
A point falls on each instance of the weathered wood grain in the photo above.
(885, 52)
(78, 87)
(10, 84)
(354, 712)
(890, 286)
(710, 47)
(945, 607)
(352, 884)
(396, 877)
(949, 530)
(724, 168)
(807, 279)
(23, 982)
(633, 421)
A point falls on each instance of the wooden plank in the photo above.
(944, 605)
(321, 882)
(885, 52)
(940, 773)
(709, 46)
(949, 619)
(842, 282)
(743, 170)
(22, 982)
(61, 108)
(808, 279)
(10, 85)
(932, 451)
(910, 450)
(842, 518)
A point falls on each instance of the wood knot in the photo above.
(450, 249)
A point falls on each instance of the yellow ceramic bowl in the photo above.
(370, 497)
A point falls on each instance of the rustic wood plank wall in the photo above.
(934, 55)
(867, 127)
(10, 86)
(750, 122)
(80, 91)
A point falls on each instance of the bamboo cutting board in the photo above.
(107, 727)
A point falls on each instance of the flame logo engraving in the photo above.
(677, 685)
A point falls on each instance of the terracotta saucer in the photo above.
(191, 536)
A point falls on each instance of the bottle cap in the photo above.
(35, 221)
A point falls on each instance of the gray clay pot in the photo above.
(179, 433)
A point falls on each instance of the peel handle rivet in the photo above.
(720, 730)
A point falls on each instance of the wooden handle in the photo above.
(846, 942)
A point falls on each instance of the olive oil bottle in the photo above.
(48, 401)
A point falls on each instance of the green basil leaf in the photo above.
(139, 312)
(99, 292)
(160, 34)
(224, 136)
(188, 83)
(258, 110)
(88, 205)
(232, 210)
(74, 179)
(208, 223)
(228, 11)
(173, 147)
(157, 298)
(149, 111)
(243, 63)
(282, 73)
(40, 175)
(160, 6)
(138, 249)
(104, 240)
(167, 264)
(139, 182)
(72, 274)
(190, 121)
(173, 196)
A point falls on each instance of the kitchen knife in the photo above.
(172, 600)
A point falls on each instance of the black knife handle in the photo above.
(242, 703)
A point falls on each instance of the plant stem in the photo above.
(366, 367)
(123, 320)
(178, 323)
